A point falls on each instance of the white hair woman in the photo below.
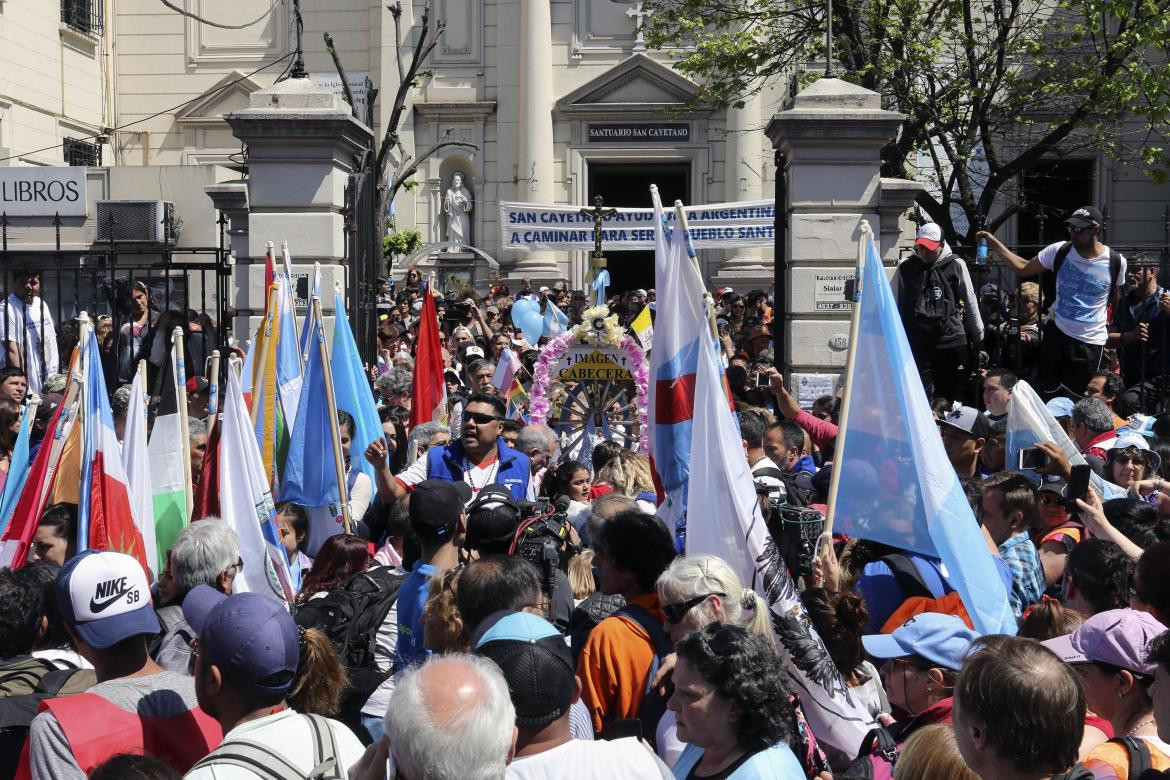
(696, 591)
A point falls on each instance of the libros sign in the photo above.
(43, 192)
(531, 226)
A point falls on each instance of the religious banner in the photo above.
(533, 226)
(606, 378)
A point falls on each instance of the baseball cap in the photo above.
(967, 420)
(197, 384)
(472, 352)
(492, 517)
(251, 638)
(435, 507)
(929, 236)
(940, 639)
(1085, 216)
(1119, 637)
(1060, 406)
(106, 595)
(640, 292)
(536, 662)
(991, 288)
(1057, 486)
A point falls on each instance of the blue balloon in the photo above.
(527, 317)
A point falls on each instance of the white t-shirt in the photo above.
(288, 735)
(477, 476)
(599, 760)
(23, 326)
(325, 521)
(1082, 292)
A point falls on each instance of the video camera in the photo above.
(543, 533)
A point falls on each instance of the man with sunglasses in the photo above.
(1088, 278)
(478, 457)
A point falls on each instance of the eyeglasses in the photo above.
(1072, 229)
(479, 418)
(238, 566)
(676, 613)
(1048, 498)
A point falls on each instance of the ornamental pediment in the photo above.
(639, 83)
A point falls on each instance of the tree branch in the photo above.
(409, 171)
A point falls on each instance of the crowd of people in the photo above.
(506, 607)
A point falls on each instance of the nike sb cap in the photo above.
(106, 596)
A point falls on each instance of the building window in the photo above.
(83, 15)
(82, 153)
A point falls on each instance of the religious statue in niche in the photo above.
(457, 206)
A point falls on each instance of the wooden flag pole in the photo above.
(843, 426)
(179, 367)
(331, 404)
(69, 413)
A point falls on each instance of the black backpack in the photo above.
(17, 713)
(653, 703)
(350, 615)
(1048, 278)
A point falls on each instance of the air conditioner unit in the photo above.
(135, 221)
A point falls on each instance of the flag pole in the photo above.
(681, 217)
(179, 366)
(331, 405)
(259, 367)
(213, 392)
(847, 396)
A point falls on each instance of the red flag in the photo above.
(18, 536)
(207, 491)
(430, 391)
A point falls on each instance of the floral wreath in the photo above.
(599, 329)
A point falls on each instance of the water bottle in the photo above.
(981, 251)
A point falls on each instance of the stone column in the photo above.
(743, 268)
(832, 137)
(536, 170)
(301, 142)
(231, 198)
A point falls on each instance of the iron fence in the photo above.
(189, 286)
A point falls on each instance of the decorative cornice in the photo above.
(590, 96)
(456, 109)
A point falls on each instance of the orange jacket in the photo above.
(614, 666)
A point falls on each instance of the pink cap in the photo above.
(1119, 637)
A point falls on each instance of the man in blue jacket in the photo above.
(478, 457)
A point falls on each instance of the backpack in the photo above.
(350, 616)
(795, 493)
(1048, 278)
(267, 764)
(653, 703)
(1137, 755)
(18, 710)
(929, 307)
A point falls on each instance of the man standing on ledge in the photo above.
(479, 457)
(1088, 278)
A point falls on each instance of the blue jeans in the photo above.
(374, 725)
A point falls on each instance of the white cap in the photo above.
(929, 236)
(106, 596)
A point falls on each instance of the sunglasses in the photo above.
(479, 418)
(1072, 229)
(676, 613)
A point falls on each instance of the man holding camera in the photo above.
(493, 518)
(478, 457)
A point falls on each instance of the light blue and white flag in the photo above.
(896, 484)
(556, 321)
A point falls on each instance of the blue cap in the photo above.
(940, 639)
(251, 638)
(105, 595)
(1060, 407)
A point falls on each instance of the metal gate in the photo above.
(194, 281)
(363, 253)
